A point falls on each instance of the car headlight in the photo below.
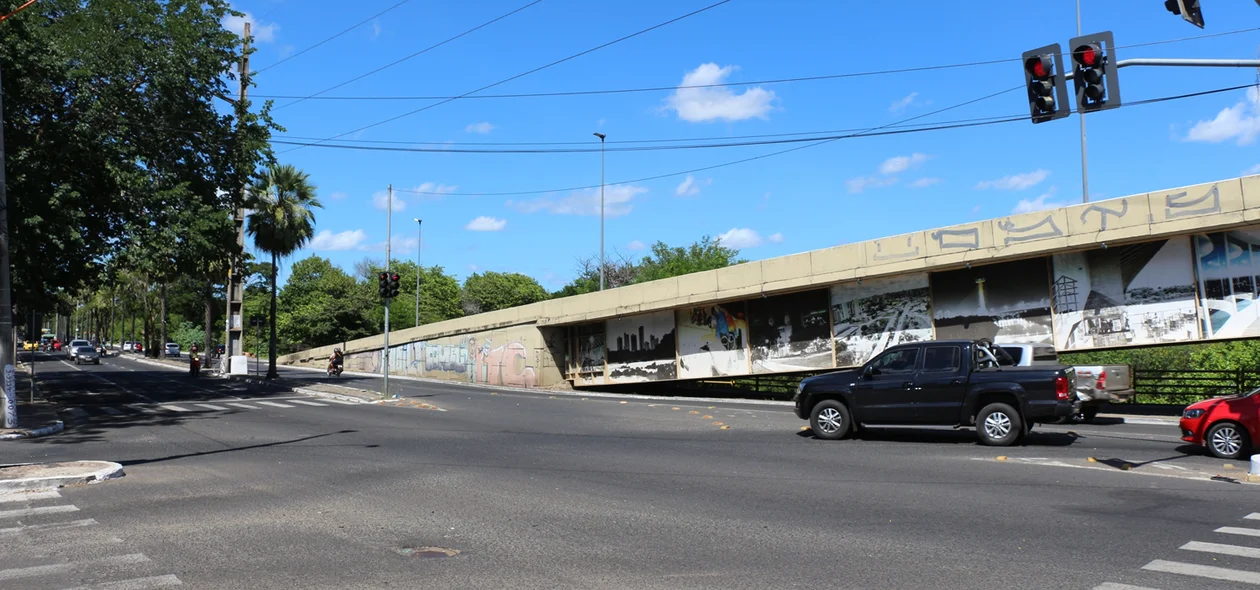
(1195, 413)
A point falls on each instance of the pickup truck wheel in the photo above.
(1227, 440)
(1088, 414)
(830, 420)
(999, 425)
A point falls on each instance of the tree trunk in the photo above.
(162, 320)
(113, 305)
(133, 323)
(271, 346)
(209, 337)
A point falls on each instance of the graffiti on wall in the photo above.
(590, 352)
(642, 348)
(473, 360)
(712, 341)
(869, 317)
(790, 332)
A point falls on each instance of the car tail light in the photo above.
(1061, 389)
(1102, 380)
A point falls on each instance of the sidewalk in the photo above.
(36, 415)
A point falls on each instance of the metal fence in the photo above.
(1181, 387)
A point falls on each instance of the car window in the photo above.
(897, 361)
(942, 359)
(83, 349)
(1016, 353)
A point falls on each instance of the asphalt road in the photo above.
(543, 491)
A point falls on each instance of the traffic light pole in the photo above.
(389, 220)
(1084, 152)
(7, 346)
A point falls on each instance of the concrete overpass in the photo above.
(1174, 265)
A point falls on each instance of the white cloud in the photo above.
(376, 28)
(698, 105)
(690, 187)
(861, 183)
(429, 191)
(346, 240)
(1041, 203)
(1015, 182)
(775, 238)
(1241, 122)
(975, 210)
(381, 201)
(617, 202)
(898, 164)
(742, 237)
(263, 32)
(1252, 170)
(483, 128)
(926, 181)
(485, 223)
(901, 104)
(636, 246)
(338, 196)
(398, 243)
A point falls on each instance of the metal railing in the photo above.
(1157, 386)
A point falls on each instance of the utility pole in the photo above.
(601, 137)
(232, 345)
(419, 244)
(1081, 116)
(7, 346)
(389, 220)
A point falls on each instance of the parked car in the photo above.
(172, 349)
(86, 354)
(137, 348)
(1095, 384)
(1226, 426)
(75, 345)
(946, 382)
(126, 346)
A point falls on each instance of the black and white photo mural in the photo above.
(712, 341)
(1004, 302)
(1228, 265)
(641, 348)
(1125, 296)
(590, 353)
(790, 332)
(872, 315)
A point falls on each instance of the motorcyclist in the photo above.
(335, 361)
(194, 361)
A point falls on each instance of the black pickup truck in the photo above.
(945, 383)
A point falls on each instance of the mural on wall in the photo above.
(712, 341)
(1125, 295)
(872, 315)
(790, 332)
(590, 352)
(641, 348)
(1004, 302)
(1228, 264)
(471, 359)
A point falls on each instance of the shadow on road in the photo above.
(924, 435)
(233, 449)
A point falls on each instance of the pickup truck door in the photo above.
(885, 394)
(940, 385)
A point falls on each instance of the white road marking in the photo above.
(278, 405)
(246, 406)
(77, 412)
(134, 584)
(1253, 516)
(1203, 571)
(1115, 586)
(30, 528)
(341, 401)
(19, 513)
(112, 411)
(171, 408)
(59, 568)
(210, 406)
(141, 408)
(25, 496)
(1233, 530)
(306, 403)
(1222, 549)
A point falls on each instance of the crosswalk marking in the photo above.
(210, 406)
(19, 513)
(77, 412)
(341, 401)
(29, 496)
(246, 406)
(30, 528)
(174, 408)
(112, 411)
(142, 409)
(1233, 530)
(60, 568)
(134, 584)
(306, 403)
(1203, 571)
(1115, 586)
(1253, 516)
(275, 404)
(1222, 549)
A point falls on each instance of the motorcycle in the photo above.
(194, 366)
(334, 370)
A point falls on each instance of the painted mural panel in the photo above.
(790, 332)
(590, 353)
(641, 348)
(1228, 264)
(1005, 302)
(870, 316)
(712, 341)
(474, 359)
(1125, 296)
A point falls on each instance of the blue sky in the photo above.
(841, 192)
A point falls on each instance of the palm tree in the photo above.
(281, 221)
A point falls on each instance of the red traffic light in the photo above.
(384, 276)
(394, 277)
(1088, 55)
(1040, 66)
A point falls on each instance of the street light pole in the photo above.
(1081, 116)
(419, 243)
(601, 137)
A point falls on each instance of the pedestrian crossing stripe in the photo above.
(191, 407)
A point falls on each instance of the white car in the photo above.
(172, 349)
(74, 347)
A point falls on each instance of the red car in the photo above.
(1225, 425)
(56, 345)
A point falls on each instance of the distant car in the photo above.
(1226, 426)
(172, 349)
(137, 347)
(30, 346)
(56, 345)
(218, 350)
(86, 354)
(126, 346)
(75, 345)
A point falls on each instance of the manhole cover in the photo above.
(428, 552)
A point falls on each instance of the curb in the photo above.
(46, 430)
(108, 470)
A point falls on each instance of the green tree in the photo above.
(321, 304)
(439, 294)
(282, 221)
(665, 262)
(491, 291)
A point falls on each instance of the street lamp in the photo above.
(419, 242)
(601, 137)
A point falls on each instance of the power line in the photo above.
(528, 72)
(418, 53)
(725, 84)
(361, 23)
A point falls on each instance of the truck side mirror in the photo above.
(868, 372)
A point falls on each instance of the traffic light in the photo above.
(1047, 88)
(1188, 9)
(1094, 72)
(393, 284)
(382, 283)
